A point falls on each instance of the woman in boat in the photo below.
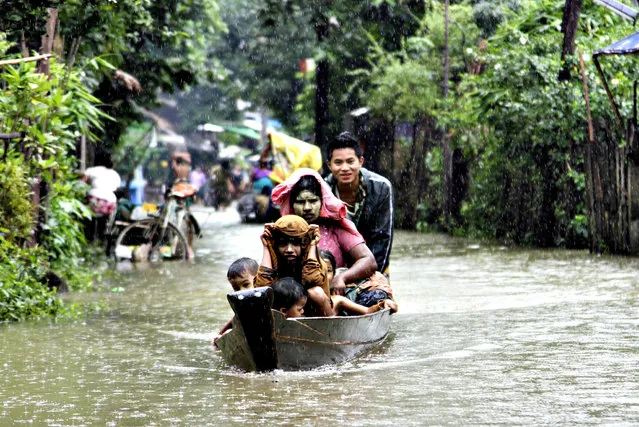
(290, 250)
(307, 195)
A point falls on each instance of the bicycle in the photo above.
(168, 236)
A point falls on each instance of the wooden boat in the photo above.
(262, 339)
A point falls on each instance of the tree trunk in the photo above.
(412, 184)
(322, 84)
(379, 146)
(447, 167)
(569, 24)
(545, 230)
(446, 50)
(40, 187)
(47, 41)
(459, 183)
(322, 116)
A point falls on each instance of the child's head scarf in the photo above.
(292, 226)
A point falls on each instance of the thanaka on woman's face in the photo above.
(307, 205)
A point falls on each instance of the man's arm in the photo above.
(343, 303)
(380, 229)
(363, 267)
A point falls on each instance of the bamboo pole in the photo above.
(615, 107)
(592, 231)
(27, 59)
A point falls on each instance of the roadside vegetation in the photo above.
(47, 106)
(41, 245)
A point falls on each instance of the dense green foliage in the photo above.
(261, 66)
(51, 113)
(263, 47)
(407, 83)
(162, 43)
(344, 33)
(16, 211)
(517, 130)
(521, 130)
(528, 181)
(22, 293)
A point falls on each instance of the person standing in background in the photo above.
(104, 182)
(221, 185)
(198, 179)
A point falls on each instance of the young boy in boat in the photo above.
(290, 250)
(342, 304)
(289, 297)
(241, 275)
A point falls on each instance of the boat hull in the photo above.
(296, 344)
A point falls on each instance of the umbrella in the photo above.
(243, 131)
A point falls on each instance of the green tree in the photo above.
(260, 65)
(163, 44)
(341, 46)
(50, 113)
(528, 183)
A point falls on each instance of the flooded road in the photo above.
(484, 335)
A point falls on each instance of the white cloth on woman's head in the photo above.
(104, 182)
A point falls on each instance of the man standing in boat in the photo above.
(367, 195)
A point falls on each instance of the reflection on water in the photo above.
(485, 335)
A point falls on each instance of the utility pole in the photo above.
(322, 116)
(447, 167)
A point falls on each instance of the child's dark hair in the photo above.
(343, 140)
(287, 291)
(241, 265)
(327, 255)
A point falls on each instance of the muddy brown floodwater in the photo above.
(485, 335)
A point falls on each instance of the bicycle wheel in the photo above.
(145, 240)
